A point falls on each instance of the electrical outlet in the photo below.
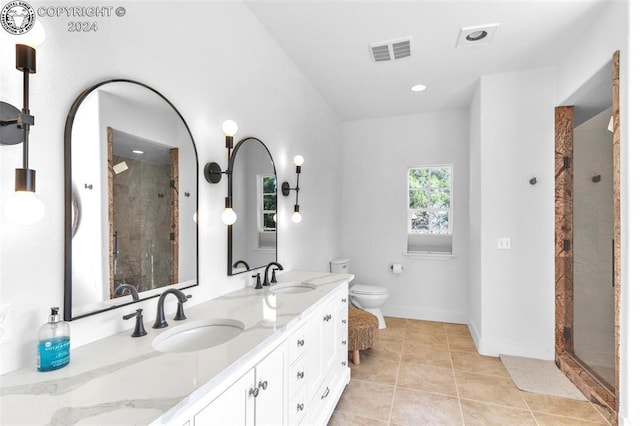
(504, 243)
(5, 323)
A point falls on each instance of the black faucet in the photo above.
(273, 273)
(161, 322)
(121, 287)
(258, 281)
(138, 330)
(241, 262)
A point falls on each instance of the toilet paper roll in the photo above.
(396, 268)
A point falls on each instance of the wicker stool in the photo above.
(363, 331)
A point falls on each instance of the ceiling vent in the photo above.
(390, 50)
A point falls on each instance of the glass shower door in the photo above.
(593, 232)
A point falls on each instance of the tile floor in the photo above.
(429, 373)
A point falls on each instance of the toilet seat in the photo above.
(367, 289)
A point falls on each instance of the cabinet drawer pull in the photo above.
(300, 342)
(326, 393)
(344, 342)
(344, 300)
(344, 363)
(300, 374)
(327, 318)
(263, 385)
(254, 392)
(300, 407)
(344, 321)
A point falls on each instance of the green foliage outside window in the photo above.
(430, 200)
(269, 204)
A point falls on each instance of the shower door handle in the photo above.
(613, 262)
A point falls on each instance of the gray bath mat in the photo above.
(540, 376)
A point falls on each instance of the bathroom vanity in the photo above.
(288, 365)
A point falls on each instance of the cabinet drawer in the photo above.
(298, 406)
(297, 374)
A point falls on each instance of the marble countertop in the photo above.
(123, 380)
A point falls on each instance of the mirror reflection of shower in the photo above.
(144, 214)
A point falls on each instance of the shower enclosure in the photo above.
(587, 194)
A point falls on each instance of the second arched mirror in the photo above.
(252, 239)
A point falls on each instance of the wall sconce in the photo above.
(213, 173)
(296, 217)
(23, 207)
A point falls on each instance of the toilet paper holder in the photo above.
(396, 268)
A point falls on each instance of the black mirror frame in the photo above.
(68, 214)
(230, 227)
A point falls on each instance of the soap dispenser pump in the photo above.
(53, 343)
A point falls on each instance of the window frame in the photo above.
(261, 211)
(449, 209)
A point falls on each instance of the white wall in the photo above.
(475, 217)
(220, 65)
(516, 143)
(377, 154)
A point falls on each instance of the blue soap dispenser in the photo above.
(53, 343)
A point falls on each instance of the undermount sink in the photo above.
(198, 335)
(293, 287)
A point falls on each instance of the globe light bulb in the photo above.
(296, 217)
(24, 208)
(228, 216)
(298, 160)
(229, 127)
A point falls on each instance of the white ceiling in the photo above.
(328, 40)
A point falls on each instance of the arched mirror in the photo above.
(131, 198)
(253, 237)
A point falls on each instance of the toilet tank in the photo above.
(339, 266)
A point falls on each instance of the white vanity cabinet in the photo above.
(298, 382)
(256, 398)
(332, 357)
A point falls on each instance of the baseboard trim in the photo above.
(425, 314)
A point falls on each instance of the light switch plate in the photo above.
(504, 243)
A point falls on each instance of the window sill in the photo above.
(265, 249)
(425, 255)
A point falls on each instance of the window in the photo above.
(267, 210)
(429, 202)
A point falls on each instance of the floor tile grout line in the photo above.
(395, 386)
(455, 380)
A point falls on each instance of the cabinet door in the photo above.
(330, 322)
(314, 368)
(270, 401)
(234, 407)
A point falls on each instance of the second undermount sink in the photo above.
(198, 335)
(293, 287)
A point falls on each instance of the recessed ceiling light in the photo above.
(418, 88)
(476, 35)
(137, 151)
(480, 35)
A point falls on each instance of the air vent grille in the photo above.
(381, 53)
(402, 49)
(390, 50)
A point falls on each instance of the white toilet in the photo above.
(370, 298)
